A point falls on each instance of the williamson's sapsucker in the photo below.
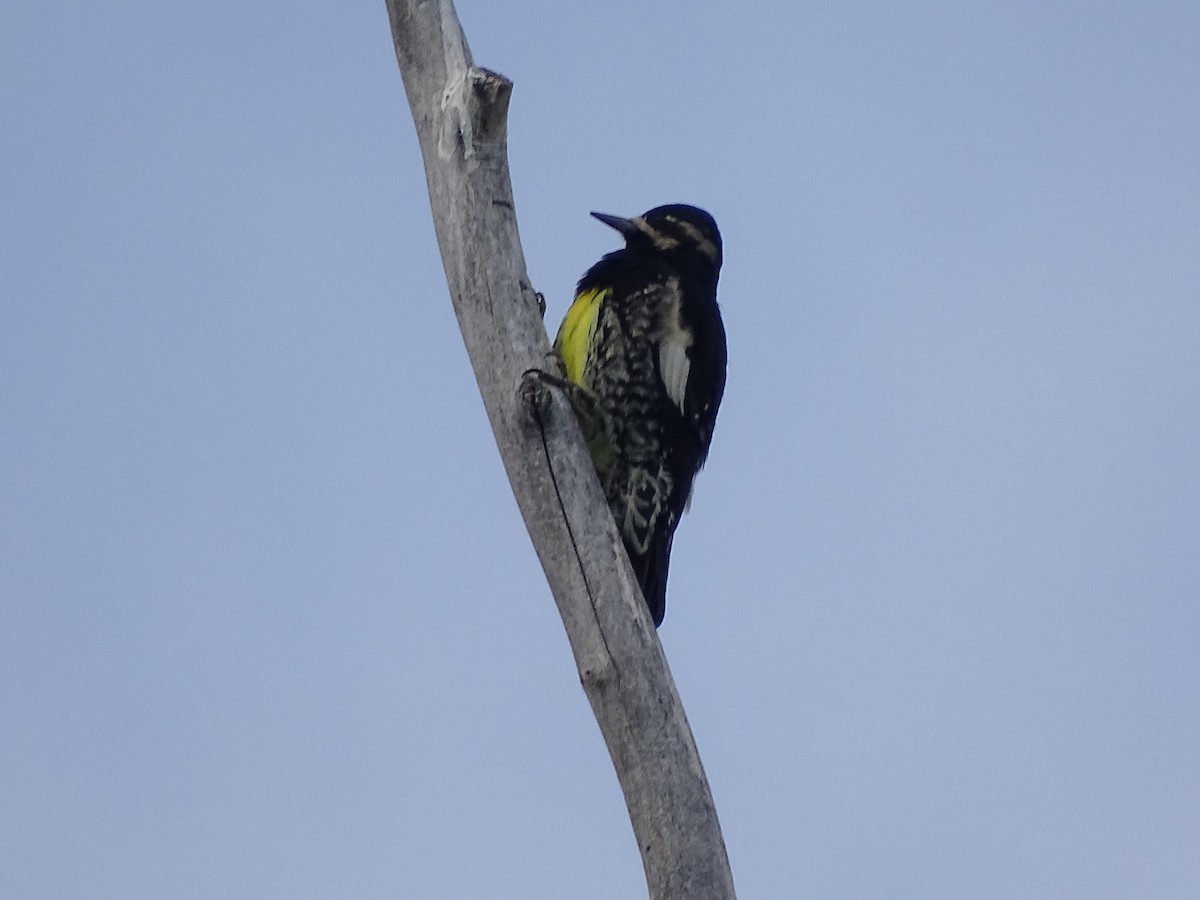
(645, 342)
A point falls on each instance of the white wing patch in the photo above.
(673, 361)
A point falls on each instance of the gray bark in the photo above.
(460, 113)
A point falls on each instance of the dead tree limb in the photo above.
(461, 113)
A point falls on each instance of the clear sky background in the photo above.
(270, 625)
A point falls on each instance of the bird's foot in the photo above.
(534, 391)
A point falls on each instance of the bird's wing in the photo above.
(707, 387)
(694, 380)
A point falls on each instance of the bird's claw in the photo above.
(533, 389)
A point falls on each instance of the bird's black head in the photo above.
(684, 235)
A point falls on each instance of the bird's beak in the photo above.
(627, 227)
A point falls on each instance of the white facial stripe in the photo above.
(660, 240)
(703, 244)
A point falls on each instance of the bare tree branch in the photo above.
(460, 113)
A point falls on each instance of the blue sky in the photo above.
(270, 625)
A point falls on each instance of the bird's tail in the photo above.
(651, 572)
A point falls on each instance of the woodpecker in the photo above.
(645, 343)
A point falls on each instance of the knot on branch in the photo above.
(474, 112)
(490, 93)
(599, 675)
